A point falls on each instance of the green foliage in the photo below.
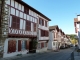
(73, 39)
(72, 36)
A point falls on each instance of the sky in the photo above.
(61, 12)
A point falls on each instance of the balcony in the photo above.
(43, 38)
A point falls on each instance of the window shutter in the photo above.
(27, 44)
(42, 22)
(19, 45)
(75, 24)
(9, 46)
(17, 22)
(42, 44)
(0, 20)
(13, 45)
(39, 20)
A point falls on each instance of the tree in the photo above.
(73, 39)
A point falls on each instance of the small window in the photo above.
(53, 43)
(39, 45)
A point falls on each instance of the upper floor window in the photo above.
(34, 26)
(41, 21)
(26, 10)
(44, 33)
(46, 23)
(15, 22)
(28, 25)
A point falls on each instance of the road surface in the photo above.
(63, 54)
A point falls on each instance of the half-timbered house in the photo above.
(25, 25)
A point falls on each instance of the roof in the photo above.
(76, 20)
(60, 30)
(53, 27)
(78, 15)
(23, 3)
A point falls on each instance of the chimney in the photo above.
(78, 16)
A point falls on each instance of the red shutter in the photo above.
(9, 46)
(75, 24)
(46, 23)
(76, 30)
(13, 45)
(42, 44)
(27, 10)
(24, 9)
(19, 45)
(42, 22)
(0, 20)
(27, 44)
(17, 22)
(39, 20)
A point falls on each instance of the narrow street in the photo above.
(63, 54)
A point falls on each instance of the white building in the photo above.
(77, 28)
(53, 43)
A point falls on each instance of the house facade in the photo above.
(43, 34)
(21, 27)
(54, 37)
(77, 28)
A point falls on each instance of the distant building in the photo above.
(77, 28)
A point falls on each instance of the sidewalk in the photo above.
(25, 55)
(76, 55)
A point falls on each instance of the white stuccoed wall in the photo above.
(51, 38)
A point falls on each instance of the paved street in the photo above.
(63, 54)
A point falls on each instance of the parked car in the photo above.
(62, 47)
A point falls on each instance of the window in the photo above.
(28, 25)
(34, 26)
(46, 23)
(41, 21)
(44, 33)
(15, 22)
(23, 45)
(45, 44)
(26, 10)
(39, 45)
(53, 43)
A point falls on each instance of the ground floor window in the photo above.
(23, 45)
(45, 44)
(17, 45)
(39, 45)
(42, 45)
(53, 43)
